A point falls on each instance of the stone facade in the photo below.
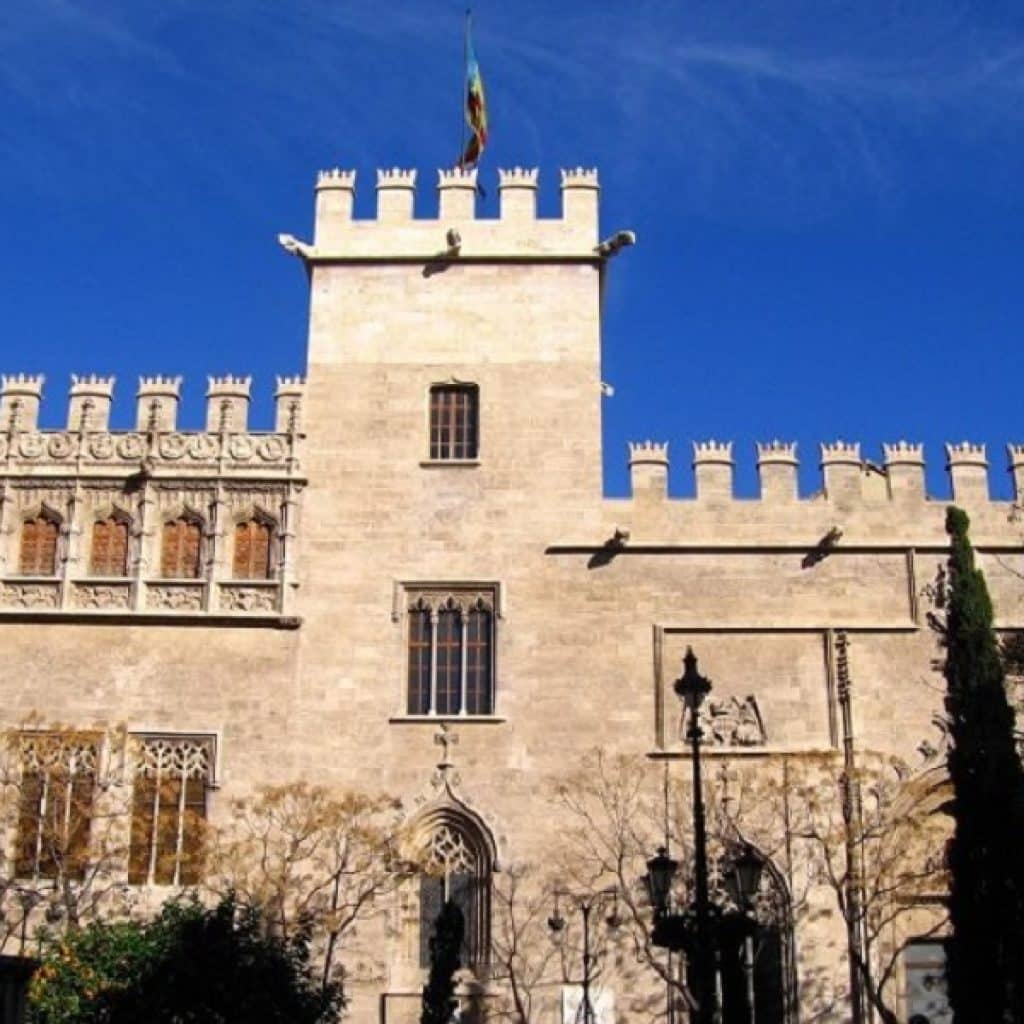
(303, 674)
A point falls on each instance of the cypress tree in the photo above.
(985, 965)
(439, 1002)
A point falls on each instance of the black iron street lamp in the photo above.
(692, 688)
(585, 904)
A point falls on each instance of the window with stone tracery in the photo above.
(108, 548)
(172, 777)
(457, 868)
(181, 544)
(38, 551)
(55, 804)
(253, 549)
(450, 652)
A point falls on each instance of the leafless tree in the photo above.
(313, 858)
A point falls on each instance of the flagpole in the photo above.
(462, 92)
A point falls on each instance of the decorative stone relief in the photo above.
(71, 753)
(173, 447)
(30, 446)
(60, 446)
(30, 595)
(101, 595)
(248, 598)
(240, 447)
(272, 449)
(732, 722)
(178, 757)
(203, 448)
(131, 446)
(101, 446)
(186, 597)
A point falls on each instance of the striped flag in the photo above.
(476, 107)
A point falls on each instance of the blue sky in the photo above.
(827, 196)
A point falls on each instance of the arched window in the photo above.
(181, 548)
(457, 867)
(39, 535)
(756, 949)
(108, 549)
(253, 549)
(454, 421)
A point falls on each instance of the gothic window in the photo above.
(108, 549)
(454, 421)
(451, 653)
(55, 804)
(39, 545)
(457, 868)
(254, 541)
(181, 548)
(756, 954)
(172, 776)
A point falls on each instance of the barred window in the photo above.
(108, 550)
(39, 545)
(180, 548)
(454, 421)
(55, 804)
(172, 776)
(451, 653)
(254, 541)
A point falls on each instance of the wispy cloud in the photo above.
(781, 91)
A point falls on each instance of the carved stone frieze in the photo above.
(236, 597)
(175, 448)
(30, 595)
(732, 722)
(101, 595)
(177, 597)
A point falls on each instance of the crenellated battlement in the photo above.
(88, 444)
(847, 477)
(395, 232)
(335, 177)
